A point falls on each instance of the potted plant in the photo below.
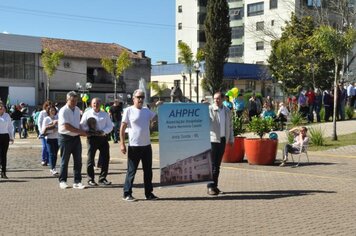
(236, 152)
(260, 151)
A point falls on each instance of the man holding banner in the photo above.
(221, 133)
(138, 119)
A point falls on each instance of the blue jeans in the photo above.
(44, 154)
(70, 145)
(134, 155)
(17, 126)
(115, 131)
(217, 152)
(24, 126)
(52, 148)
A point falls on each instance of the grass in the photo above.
(343, 140)
(154, 137)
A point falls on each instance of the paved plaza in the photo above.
(318, 198)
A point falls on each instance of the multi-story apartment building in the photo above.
(254, 24)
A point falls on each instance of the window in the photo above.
(179, 26)
(202, 3)
(236, 51)
(250, 86)
(314, 3)
(273, 4)
(201, 36)
(237, 32)
(236, 13)
(259, 45)
(17, 65)
(260, 26)
(201, 18)
(255, 9)
(272, 22)
(180, 9)
(176, 83)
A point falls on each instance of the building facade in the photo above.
(23, 79)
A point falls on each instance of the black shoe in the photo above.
(129, 198)
(151, 196)
(116, 141)
(92, 183)
(219, 191)
(104, 182)
(212, 191)
(3, 176)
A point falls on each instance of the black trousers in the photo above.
(217, 152)
(4, 146)
(98, 143)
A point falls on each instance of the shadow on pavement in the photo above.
(258, 195)
(24, 170)
(12, 181)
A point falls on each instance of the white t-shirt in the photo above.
(52, 133)
(6, 125)
(41, 117)
(138, 121)
(68, 116)
(103, 121)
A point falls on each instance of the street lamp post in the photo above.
(197, 70)
(184, 78)
(82, 89)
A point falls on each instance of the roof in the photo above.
(238, 71)
(85, 49)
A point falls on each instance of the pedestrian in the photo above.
(341, 102)
(6, 137)
(239, 105)
(227, 103)
(311, 99)
(301, 140)
(138, 119)
(16, 120)
(254, 106)
(50, 131)
(41, 116)
(69, 141)
(328, 105)
(303, 107)
(350, 94)
(221, 133)
(97, 139)
(116, 116)
(318, 101)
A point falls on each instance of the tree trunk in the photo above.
(47, 95)
(115, 88)
(190, 86)
(334, 135)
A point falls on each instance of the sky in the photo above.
(136, 24)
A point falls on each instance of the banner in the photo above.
(184, 143)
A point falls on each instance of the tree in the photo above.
(335, 44)
(159, 89)
(297, 63)
(218, 41)
(185, 56)
(123, 62)
(50, 61)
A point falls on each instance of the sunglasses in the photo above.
(140, 97)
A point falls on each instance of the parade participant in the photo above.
(69, 141)
(116, 115)
(221, 133)
(41, 116)
(97, 140)
(138, 119)
(50, 129)
(6, 136)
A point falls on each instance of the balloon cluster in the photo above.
(232, 93)
(85, 97)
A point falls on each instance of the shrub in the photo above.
(290, 137)
(237, 124)
(260, 126)
(349, 112)
(317, 136)
(322, 113)
(296, 118)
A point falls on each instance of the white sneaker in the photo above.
(63, 185)
(53, 172)
(78, 186)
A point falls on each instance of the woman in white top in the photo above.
(6, 136)
(50, 130)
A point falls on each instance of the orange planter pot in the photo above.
(261, 151)
(236, 152)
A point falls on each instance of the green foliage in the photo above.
(237, 124)
(159, 89)
(290, 137)
(349, 112)
(218, 41)
(316, 136)
(296, 118)
(109, 65)
(260, 126)
(50, 61)
(123, 63)
(185, 56)
(248, 95)
(297, 63)
(322, 113)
